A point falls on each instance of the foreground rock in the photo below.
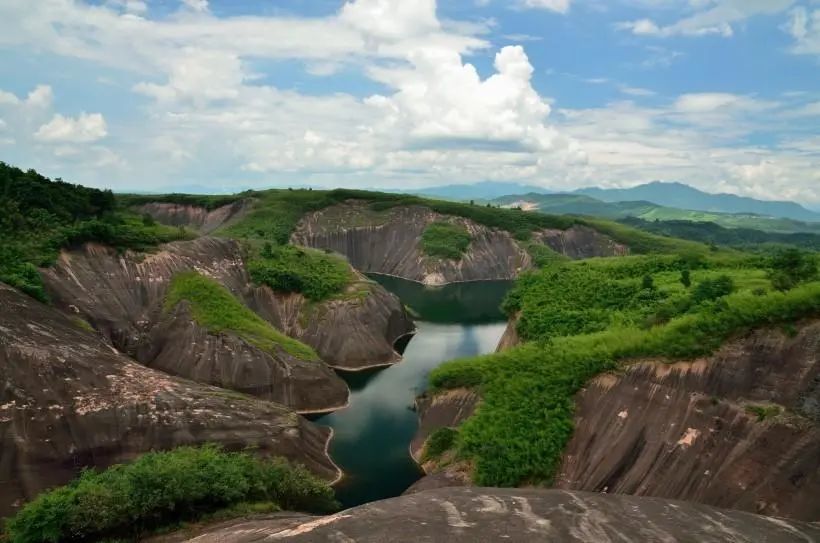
(691, 430)
(68, 400)
(388, 242)
(514, 515)
(123, 297)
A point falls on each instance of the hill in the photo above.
(580, 204)
(686, 197)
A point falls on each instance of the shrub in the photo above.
(439, 442)
(445, 240)
(712, 289)
(314, 273)
(163, 488)
(685, 278)
(791, 267)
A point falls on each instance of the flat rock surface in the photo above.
(518, 515)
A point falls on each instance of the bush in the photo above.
(163, 488)
(314, 273)
(712, 289)
(790, 267)
(445, 240)
(439, 442)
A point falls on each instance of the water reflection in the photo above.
(371, 437)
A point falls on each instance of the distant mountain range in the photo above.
(685, 197)
(580, 204)
(486, 190)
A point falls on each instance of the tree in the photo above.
(148, 220)
(648, 283)
(791, 267)
(267, 250)
(685, 278)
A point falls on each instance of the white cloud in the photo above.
(559, 6)
(711, 17)
(804, 27)
(636, 91)
(196, 5)
(85, 128)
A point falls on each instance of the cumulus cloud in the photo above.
(83, 129)
(804, 27)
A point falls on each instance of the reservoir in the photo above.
(372, 435)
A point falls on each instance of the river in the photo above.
(372, 435)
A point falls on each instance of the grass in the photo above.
(215, 308)
(763, 412)
(583, 318)
(162, 489)
(445, 240)
(286, 268)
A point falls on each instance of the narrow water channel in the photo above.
(372, 436)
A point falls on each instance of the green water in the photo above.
(372, 436)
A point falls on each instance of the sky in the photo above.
(225, 95)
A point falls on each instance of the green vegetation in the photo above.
(215, 308)
(579, 319)
(286, 268)
(791, 267)
(742, 238)
(704, 226)
(164, 488)
(439, 442)
(197, 200)
(763, 412)
(39, 216)
(445, 240)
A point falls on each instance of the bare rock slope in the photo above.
(69, 400)
(203, 220)
(704, 431)
(123, 296)
(514, 515)
(388, 242)
(692, 430)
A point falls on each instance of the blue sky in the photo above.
(223, 95)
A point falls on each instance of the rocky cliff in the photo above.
(69, 400)
(196, 217)
(738, 429)
(388, 242)
(708, 430)
(514, 515)
(123, 296)
(354, 332)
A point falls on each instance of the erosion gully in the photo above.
(372, 435)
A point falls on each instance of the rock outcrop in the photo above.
(700, 430)
(69, 400)
(704, 431)
(510, 337)
(388, 242)
(196, 217)
(579, 242)
(514, 515)
(123, 296)
(355, 332)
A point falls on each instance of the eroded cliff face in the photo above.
(69, 400)
(355, 332)
(196, 217)
(389, 242)
(685, 431)
(580, 242)
(123, 296)
(688, 430)
(516, 515)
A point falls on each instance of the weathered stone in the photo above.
(69, 400)
(389, 242)
(453, 515)
(196, 217)
(683, 430)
